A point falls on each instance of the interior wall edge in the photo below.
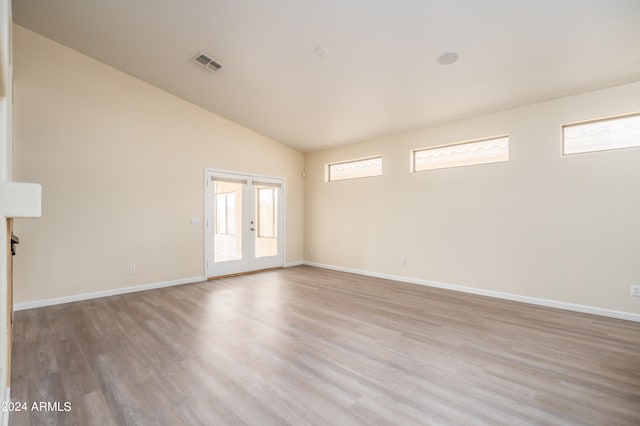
(7, 400)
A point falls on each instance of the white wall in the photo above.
(543, 225)
(121, 165)
(5, 175)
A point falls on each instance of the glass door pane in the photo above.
(266, 214)
(227, 212)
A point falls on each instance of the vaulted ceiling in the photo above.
(380, 73)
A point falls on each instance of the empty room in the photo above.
(320, 212)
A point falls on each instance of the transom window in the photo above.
(481, 151)
(353, 169)
(601, 134)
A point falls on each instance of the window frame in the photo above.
(595, 120)
(412, 153)
(327, 168)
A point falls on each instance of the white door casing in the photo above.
(244, 222)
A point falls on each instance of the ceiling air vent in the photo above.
(206, 62)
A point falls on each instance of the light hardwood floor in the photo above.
(311, 346)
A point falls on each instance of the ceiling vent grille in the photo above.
(205, 62)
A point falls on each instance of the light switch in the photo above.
(196, 221)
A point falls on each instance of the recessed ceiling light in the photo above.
(448, 58)
(321, 51)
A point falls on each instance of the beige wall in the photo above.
(121, 164)
(560, 228)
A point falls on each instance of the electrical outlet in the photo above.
(132, 269)
(635, 290)
(403, 262)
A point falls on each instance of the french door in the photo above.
(244, 223)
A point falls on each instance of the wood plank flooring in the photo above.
(311, 346)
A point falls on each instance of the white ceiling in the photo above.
(381, 74)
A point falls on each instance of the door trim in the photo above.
(207, 212)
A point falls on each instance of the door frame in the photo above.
(208, 249)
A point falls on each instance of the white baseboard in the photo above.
(103, 293)
(629, 316)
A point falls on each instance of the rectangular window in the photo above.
(491, 150)
(226, 213)
(601, 135)
(352, 169)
